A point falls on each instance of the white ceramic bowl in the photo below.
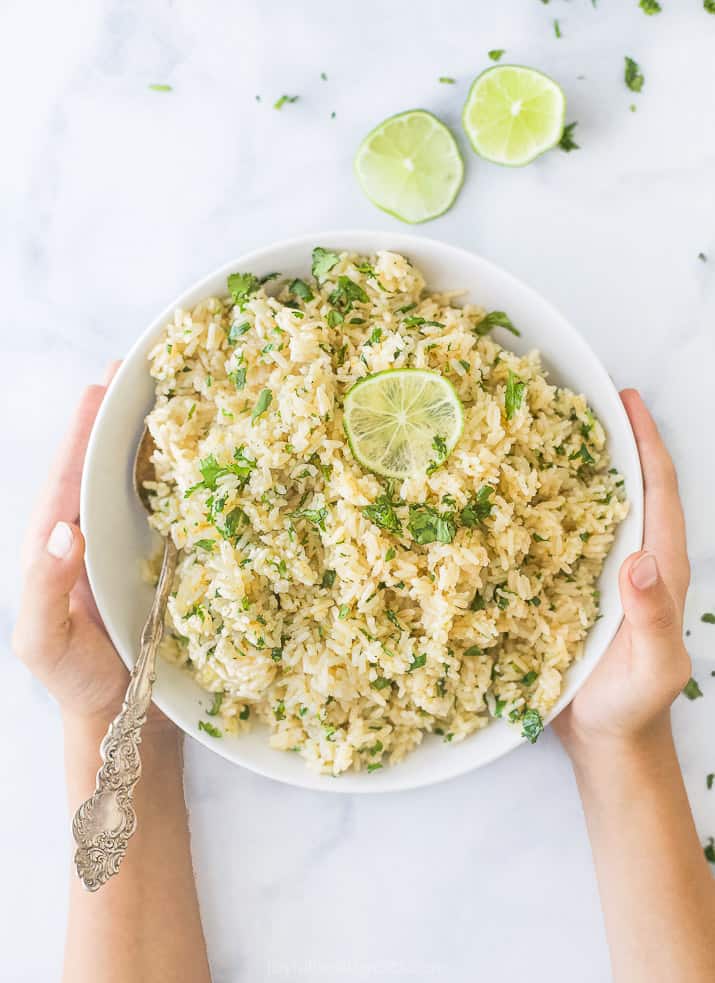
(118, 536)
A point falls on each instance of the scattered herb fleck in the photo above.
(209, 729)
(496, 319)
(634, 78)
(263, 402)
(282, 100)
(496, 53)
(531, 725)
(692, 690)
(567, 141)
(514, 394)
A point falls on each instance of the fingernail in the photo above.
(60, 542)
(644, 572)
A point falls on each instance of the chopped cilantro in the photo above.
(328, 578)
(375, 766)
(374, 338)
(496, 53)
(280, 102)
(346, 293)
(391, 616)
(264, 401)
(334, 319)
(209, 729)
(277, 654)
(241, 286)
(406, 309)
(323, 262)
(427, 525)
(709, 781)
(205, 544)
(584, 453)
(316, 516)
(708, 618)
(477, 603)
(416, 322)
(216, 705)
(496, 319)
(383, 514)
(514, 394)
(343, 611)
(701, 256)
(417, 662)
(380, 683)
(557, 29)
(160, 87)
(633, 75)
(238, 378)
(324, 77)
(446, 80)
(529, 678)
(440, 446)
(244, 714)
(531, 725)
(390, 555)
(709, 6)
(567, 141)
(709, 848)
(236, 330)
(478, 508)
(301, 289)
(279, 710)
(473, 651)
(692, 690)
(650, 7)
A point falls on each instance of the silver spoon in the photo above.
(104, 823)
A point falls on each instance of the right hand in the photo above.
(59, 634)
(630, 691)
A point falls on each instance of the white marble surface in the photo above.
(114, 197)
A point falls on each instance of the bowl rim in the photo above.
(390, 779)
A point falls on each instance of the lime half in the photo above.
(410, 166)
(513, 114)
(402, 422)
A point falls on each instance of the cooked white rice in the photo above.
(351, 642)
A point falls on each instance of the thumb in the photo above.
(650, 612)
(43, 625)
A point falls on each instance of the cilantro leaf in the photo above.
(427, 525)
(709, 849)
(380, 682)
(316, 516)
(161, 87)
(417, 662)
(709, 781)
(692, 690)
(280, 102)
(235, 518)
(446, 80)
(634, 78)
(472, 651)
(496, 319)
(241, 286)
(245, 713)
(584, 453)
(496, 53)
(567, 141)
(478, 508)
(440, 445)
(301, 289)
(709, 6)
(375, 766)
(323, 262)
(708, 618)
(383, 514)
(531, 725)
(205, 544)
(209, 729)
(514, 394)
(328, 578)
(216, 705)
(263, 402)
(236, 330)
(650, 7)
(557, 29)
(346, 293)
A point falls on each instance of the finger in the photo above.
(60, 498)
(43, 624)
(664, 531)
(112, 370)
(654, 620)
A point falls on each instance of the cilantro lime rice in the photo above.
(354, 614)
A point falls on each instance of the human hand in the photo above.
(628, 695)
(59, 634)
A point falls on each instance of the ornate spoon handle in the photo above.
(104, 823)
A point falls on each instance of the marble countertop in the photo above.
(114, 197)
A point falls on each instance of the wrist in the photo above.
(609, 757)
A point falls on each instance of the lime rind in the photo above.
(391, 420)
(518, 83)
(381, 161)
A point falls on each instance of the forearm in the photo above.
(657, 893)
(144, 923)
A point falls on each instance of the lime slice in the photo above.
(410, 166)
(402, 421)
(513, 114)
